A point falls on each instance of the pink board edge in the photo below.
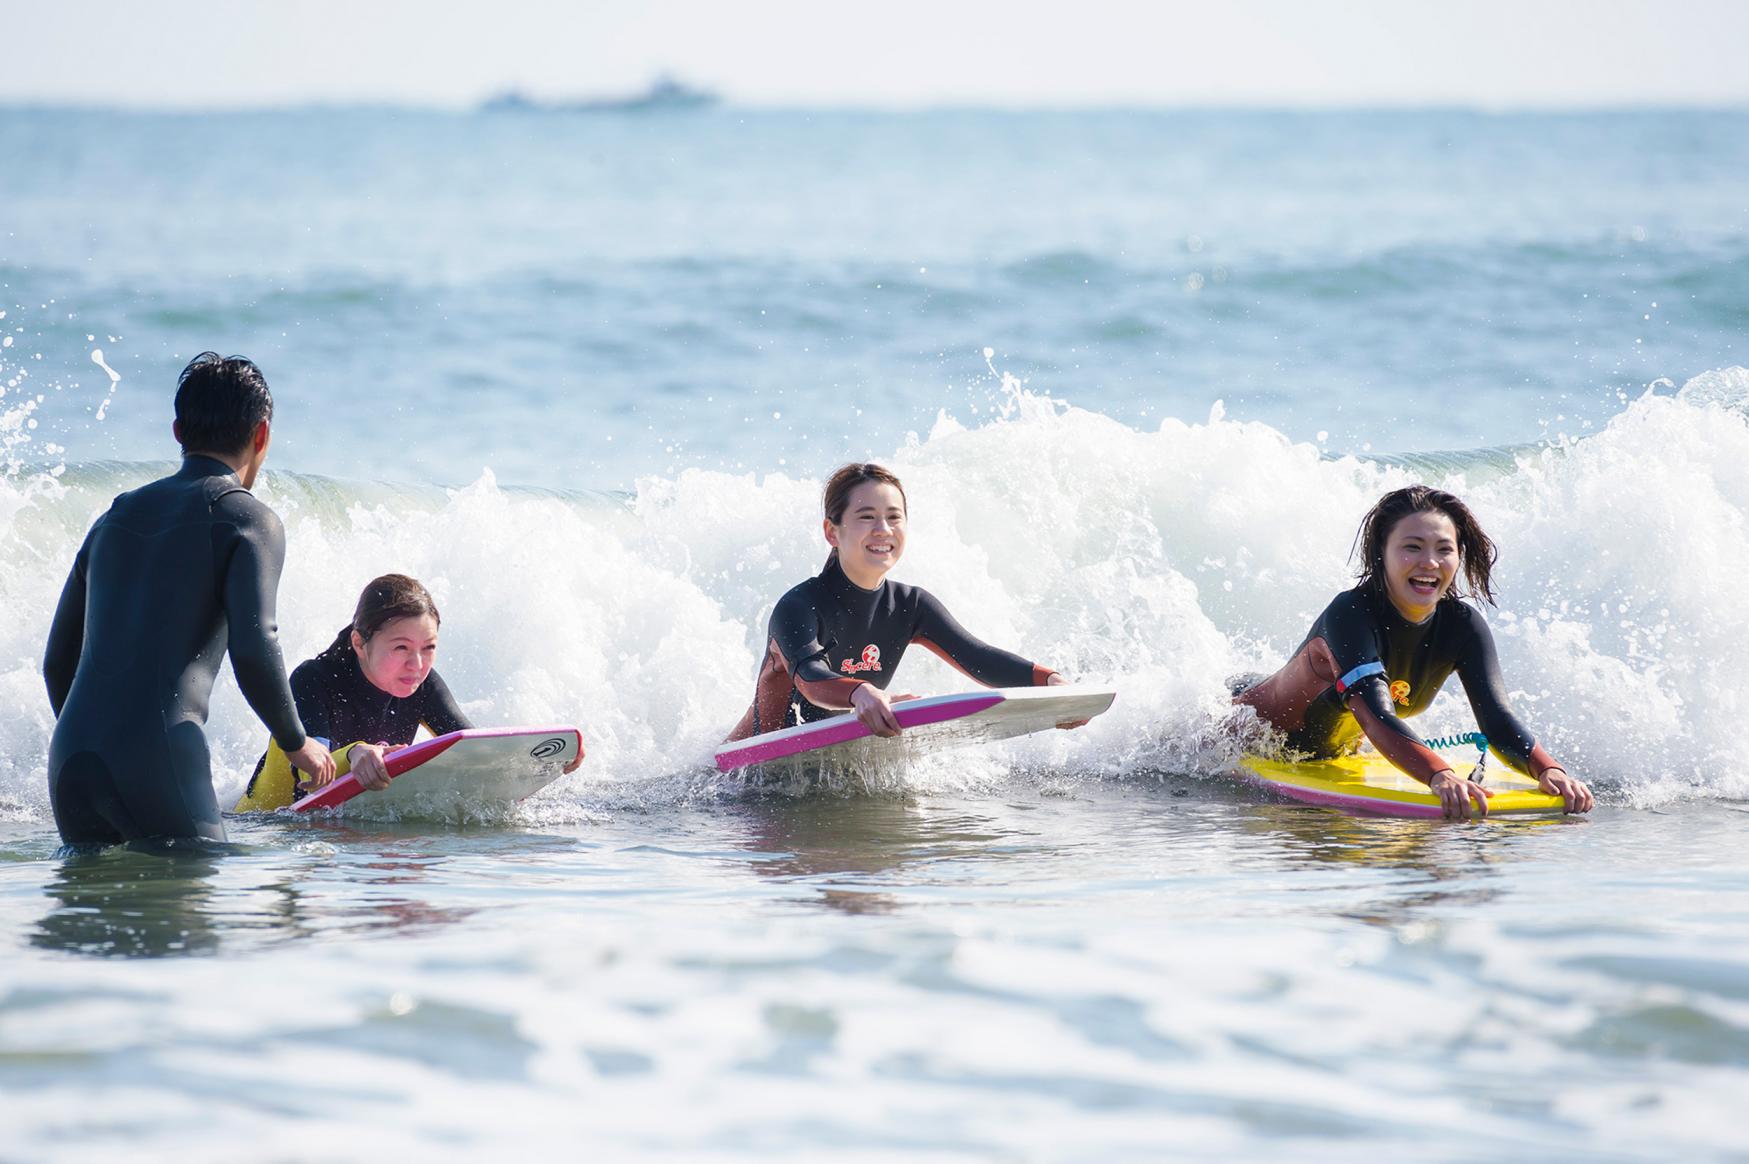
(1369, 805)
(413, 755)
(844, 728)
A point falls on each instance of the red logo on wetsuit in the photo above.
(871, 661)
(1400, 692)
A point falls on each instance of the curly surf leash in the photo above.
(1475, 739)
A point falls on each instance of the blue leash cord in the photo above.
(1475, 739)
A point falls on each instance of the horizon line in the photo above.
(556, 108)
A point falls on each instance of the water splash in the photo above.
(1159, 561)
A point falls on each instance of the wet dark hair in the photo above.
(835, 498)
(1476, 550)
(384, 600)
(219, 401)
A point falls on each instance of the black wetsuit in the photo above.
(828, 634)
(1364, 668)
(177, 572)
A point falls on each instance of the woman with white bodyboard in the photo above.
(835, 640)
(372, 688)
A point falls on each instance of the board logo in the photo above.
(548, 747)
(1400, 692)
(871, 661)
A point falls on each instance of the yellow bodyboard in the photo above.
(1367, 782)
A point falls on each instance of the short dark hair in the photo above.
(219, 401)
(1476, 550)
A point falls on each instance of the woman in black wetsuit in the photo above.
(1380, 652)
(835, 640)
(374, 684)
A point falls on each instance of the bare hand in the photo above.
(875, 709)
(578, 762)
(367, 766)
(314, 761)
(1573, 793)
(1057, 680)
(1456, 795)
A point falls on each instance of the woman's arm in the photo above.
(940, 632)
(1479, 669)
(796, 631)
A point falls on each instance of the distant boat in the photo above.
(665, 95)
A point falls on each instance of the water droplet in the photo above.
(97, 358)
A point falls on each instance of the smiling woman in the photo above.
(1380, 652)
(836, 639)
(372, 688)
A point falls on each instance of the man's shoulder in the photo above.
(166, 499)
(152, 494)
(229, 501)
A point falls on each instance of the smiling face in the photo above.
(871, 538)
(399, 656)
(1421, 561)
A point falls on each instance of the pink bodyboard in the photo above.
(965, 717)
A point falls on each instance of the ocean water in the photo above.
(1141, 373)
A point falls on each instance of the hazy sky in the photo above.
(892, 53)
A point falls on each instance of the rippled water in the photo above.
(1108, 972)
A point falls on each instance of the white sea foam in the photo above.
(1157, 561)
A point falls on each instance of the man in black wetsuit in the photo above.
(173, 575)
